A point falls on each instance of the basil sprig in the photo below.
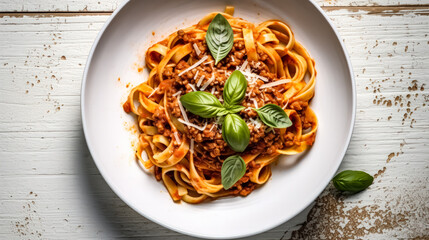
(219, 37)
(352, 181)
(234, 90)
(235, 109)
(235, 132)
(203, 104)
(274, 116)
(233, 168)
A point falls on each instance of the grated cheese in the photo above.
(197, 50)
(244, 65)
(192, 146)
(249, 93)
(193, 66)
(193, 125)
(255, 102)
(258, 123)
(207, 63)
(208, 82)
(183, 111)
(212, 127)
(177, 137)
(200, 81)
(196, 74)
(272, 84)
(176, 94)
(192, 86)
(152, 92)
(213, 90)
(285, 104)
(232, 58)
(262, 78)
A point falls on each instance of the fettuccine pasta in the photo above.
(186, 151)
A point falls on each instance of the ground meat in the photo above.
(300, 107)
(210, 148)
(161, 122)
(243, 186)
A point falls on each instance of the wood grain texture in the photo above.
(111, 5)
(51, 189)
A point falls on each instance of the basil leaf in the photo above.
(219, 37)
(274, 116)
(352, 181)
(234, 90)
(235, 108)
(203, 104)
(233, 168)
(235, 132)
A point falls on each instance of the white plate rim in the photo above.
(118, 192)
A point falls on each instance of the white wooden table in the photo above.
(51, 189)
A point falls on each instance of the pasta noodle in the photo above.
(186, 151)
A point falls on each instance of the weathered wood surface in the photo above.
(110, 5)
(51, 189)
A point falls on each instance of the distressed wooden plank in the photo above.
(111, 5)
(43, 152)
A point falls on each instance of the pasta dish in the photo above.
(223, 100)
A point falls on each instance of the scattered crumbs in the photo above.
(403, 103)
(63, 58)
(119, 79)
(153, 33)
(128, 85)
(140, 69)
(31, 222)
(332, 218)
(390, 156)
(380, 172)
(395, 43)
(389, 103)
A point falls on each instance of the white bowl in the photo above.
(117, 52)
